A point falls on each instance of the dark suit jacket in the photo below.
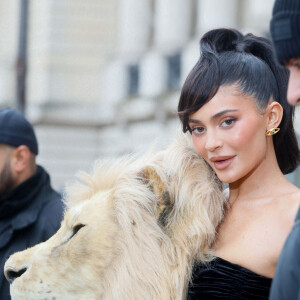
(35, 223)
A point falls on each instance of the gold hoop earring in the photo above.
(272, 131)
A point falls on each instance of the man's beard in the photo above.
(6, 179)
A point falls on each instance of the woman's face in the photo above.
(229, 133)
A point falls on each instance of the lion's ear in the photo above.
(164, 203)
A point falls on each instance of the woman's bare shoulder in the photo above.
(288, 204)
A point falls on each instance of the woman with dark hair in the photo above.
(233, 103)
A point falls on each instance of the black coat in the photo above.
(35, 221)
(286, 282)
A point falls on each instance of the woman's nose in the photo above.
(212, 142)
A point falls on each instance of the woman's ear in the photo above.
(274, 115)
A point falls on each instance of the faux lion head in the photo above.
(131, 230)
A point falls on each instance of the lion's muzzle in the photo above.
(11, 274)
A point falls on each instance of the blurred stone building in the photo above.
(104, 76)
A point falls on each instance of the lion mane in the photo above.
(132, 229)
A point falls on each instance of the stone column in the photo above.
(216, 13)
(114, 82)
(256, 15)
(153, 75)
(68, 43)
(134, 28)
(172, 24)
(190, 56)
(9, 25)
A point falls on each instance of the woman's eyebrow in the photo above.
(194, 121)
(217, 115)
(223, 112)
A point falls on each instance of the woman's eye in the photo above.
(228, 122)
(198, 130)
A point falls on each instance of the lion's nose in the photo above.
(11, 274)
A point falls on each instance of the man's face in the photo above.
(293, 94)
(6, 176)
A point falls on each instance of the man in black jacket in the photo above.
(30, 210)
(285, 31)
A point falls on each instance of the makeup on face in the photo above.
(222, 136)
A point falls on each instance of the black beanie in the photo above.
(285, 29)
(15, 130)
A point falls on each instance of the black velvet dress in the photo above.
(221, 279)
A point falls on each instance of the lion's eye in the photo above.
(76, 228)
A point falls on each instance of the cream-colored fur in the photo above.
(145, 221)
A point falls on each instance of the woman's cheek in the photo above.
(241, 136)
(199, 145)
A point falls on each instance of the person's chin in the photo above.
(225, 177)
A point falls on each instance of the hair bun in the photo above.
(220, 40)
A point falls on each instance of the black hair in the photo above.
(229, 57)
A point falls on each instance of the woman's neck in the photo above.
(265, 180)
